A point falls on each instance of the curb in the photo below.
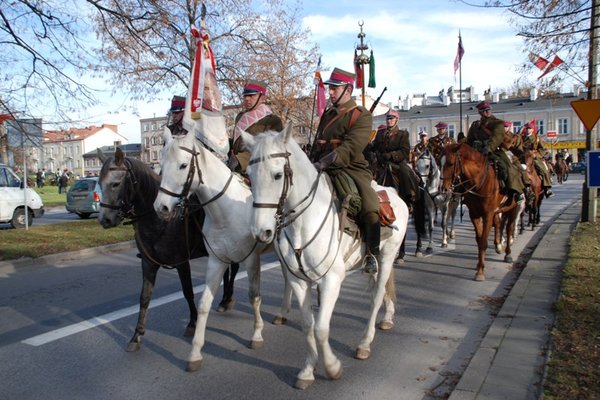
(511, 359)
(66, 256)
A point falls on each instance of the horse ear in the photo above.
(167, 137)
(248, 140)
(101, 155)
(119, 156)
(287, 132)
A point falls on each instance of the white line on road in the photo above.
(69, 330)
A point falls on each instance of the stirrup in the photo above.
(370, 264)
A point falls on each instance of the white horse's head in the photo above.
(179, 172)
(428, 171)
(271, 176)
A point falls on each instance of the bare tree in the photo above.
(250, 40)
(548, 28)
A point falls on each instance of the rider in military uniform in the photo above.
(419, 147)
(392, 150)
(176, 116)
(256, 118)
(487, 136)
(534, 142)
(438, 142)
(343, 133)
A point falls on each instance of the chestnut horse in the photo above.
(561, 170)
(466, 172)
(537, 190)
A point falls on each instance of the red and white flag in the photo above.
(538, 61)
(555, 63)
(459, 55)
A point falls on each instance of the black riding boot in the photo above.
(372, 238)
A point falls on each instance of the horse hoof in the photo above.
(189, 331)
(444, 245)
(429, 250)
(419, 254)
(303, 384)
(386, 325)
(256, 344)
(362, 354)
(479, 277)
(279, 320)
(499, 250)
(193, 366)
(336, 373)
(133, 347)
(226, 305)
(508, 259)
(452, 235)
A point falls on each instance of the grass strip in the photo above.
(57, 238)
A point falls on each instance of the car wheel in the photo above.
(84, 215)
(18, 219)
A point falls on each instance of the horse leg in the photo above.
(255, 300)
(214, 274)
(510, 226)
(149, 271)
(185, 277)
(228, 301)
(482, 227)
(306, 376)
(429, 226)
(330, 290)
(389, 304)
(497, 224)
(286, 302)
(444, 211)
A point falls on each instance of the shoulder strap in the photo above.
(354, 117)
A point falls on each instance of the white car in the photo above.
(16, 201)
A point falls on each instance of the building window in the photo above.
(517, 125)
(146, 141)
(154, 155)
(452, 130)
(154, 126)
(563, 126)
(146, 127)
(541, 129)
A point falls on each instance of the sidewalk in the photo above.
(511, 359)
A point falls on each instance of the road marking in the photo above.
(69, 330)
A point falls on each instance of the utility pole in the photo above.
(588, 212)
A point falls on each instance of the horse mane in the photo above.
(273, 139)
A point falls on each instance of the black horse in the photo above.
(129, 188)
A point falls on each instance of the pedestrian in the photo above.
(39, 179)
(342, 135)
(256, 118)
(487, 136)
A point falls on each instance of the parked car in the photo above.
(84, 197)
(578, 168)
(16, 202)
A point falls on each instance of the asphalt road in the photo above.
(64, 328)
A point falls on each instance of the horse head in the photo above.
(427, 170)
(180, 172)
(272, 178)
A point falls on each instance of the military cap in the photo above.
(441, 125)
(340, 77)
(254, 87)
(484, 105)
(392, 114)
(177, 104)
(422, 133)
(507, 124)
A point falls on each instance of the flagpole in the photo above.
(312, 115)
(460, 86)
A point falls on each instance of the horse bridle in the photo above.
(432, 168)
(458, 172)
(125, 207)
(185, 191)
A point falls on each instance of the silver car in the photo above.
(84, 197)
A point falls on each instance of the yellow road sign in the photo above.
(588, 112)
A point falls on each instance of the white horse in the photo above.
(296, 208)
(189, 166)
(430, 176)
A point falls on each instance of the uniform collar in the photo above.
(345, 107)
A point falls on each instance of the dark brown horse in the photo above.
(537, 191)
(561, 170)
(467, 172)
(129, 188)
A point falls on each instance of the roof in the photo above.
(73, 134)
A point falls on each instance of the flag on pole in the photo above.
(555, 63)
(320, 90)
(372, 83)
(459, 55)
(538, 61)
(358, 71)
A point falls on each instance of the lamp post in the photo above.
(362, 58)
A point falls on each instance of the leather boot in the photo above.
(372, 238)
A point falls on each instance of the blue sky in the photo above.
(414, 43)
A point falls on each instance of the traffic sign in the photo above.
(588, 112)
(551, 134)
(593, 169)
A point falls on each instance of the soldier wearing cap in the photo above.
(438, 142)
(487, 136)
(423, 143)
(176, 116)
(534, 143)
(391, 148)
(342, 135)
(256, 118)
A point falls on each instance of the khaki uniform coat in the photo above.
(436, 146)
(270, 122)
(534, 142)
(348, 145)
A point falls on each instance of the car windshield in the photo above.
(83, 186)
